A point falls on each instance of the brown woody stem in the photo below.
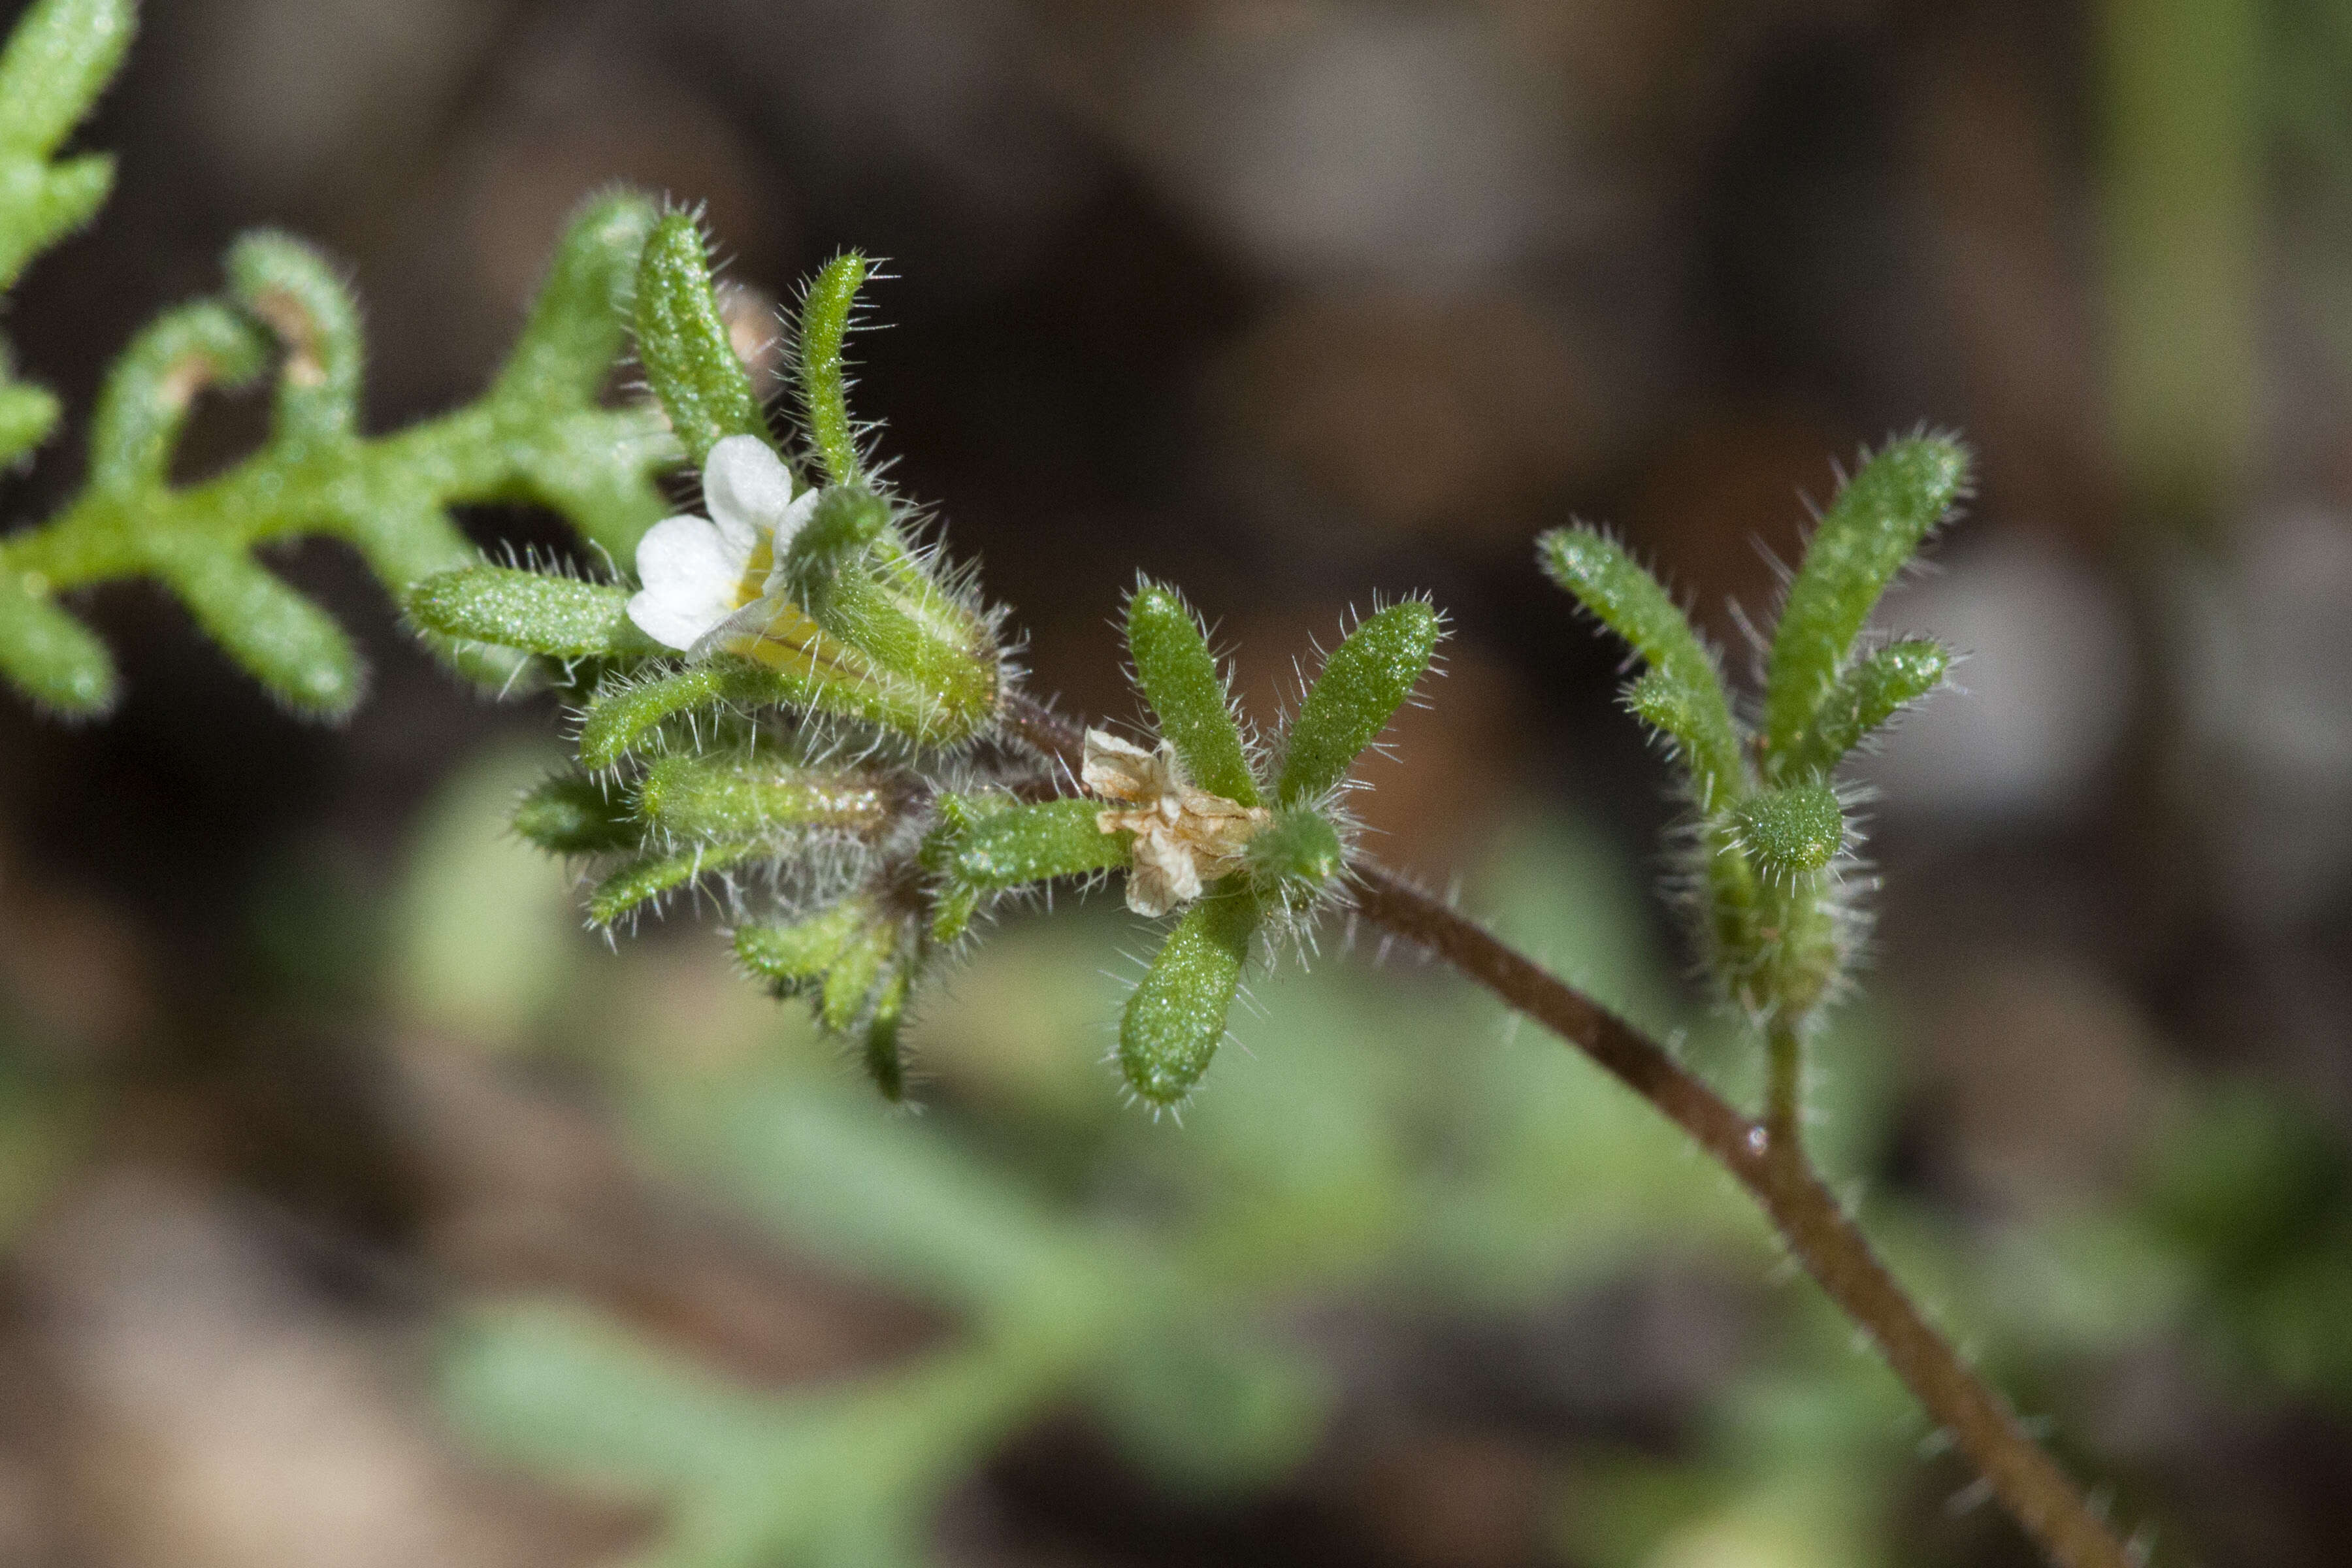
(1767, 1158)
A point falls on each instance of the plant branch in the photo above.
(1811, 1220)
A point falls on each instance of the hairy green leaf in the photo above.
(1870, 692)
(1176, 1019)
(746, 798)
(1876, 525)
(1622, 595)
(1187, 692)
(1298, 850)
(574, 815)
(651, 875)
(1791, 831)
(535, 612)
(683, 343)
(59, 58)
(1363, 682)
(821, 373)
(793, 956)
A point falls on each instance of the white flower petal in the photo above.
(689, 571)
(747, 488)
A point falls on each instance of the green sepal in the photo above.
(1624, 597)
(651, 875)
(571, 814)
(27, 415)
(1876, 525)
(1299, 851)
(794, 957)
(755, 797)
(1187, 692)
(59, 58)
(274, 633)
(535, 612)
(682, 342)
(145, 399)
(1867, 695)
(820, 373)
(1363, 682)
(848, 570)
(1176, 1019)
(294, 291)
(987, 849)
(49, 656)
(1791, 831)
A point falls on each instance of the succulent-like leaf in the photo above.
(1187, 692)
(145, 399)
(60, 58)
(49, 656)
(649, 877)
(1870, 692)
(794, 956)
(754, 797)
(281, 638)
(534, 612)
(682, 342)
(1362, 684)
(1874, 528)
(290, 288)
(1624, 597)
(820, 372)
(1017, 844)
(1299, 850)
(1176, 1019)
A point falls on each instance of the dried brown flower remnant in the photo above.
(1184, 837)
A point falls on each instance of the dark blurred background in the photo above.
(1294, 302)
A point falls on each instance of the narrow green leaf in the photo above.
(579, 320)
(1187, 692)
(1790, 831)
(683, 343)
(1176, 1019)
(279, 637)
(40, 204)
(651, 875)
(1867, 695)
(1361, 685)
(1876, 525)
(573, 814)
(754, 797)
(1023, 844)
(1622, 595)
(537, 612)
(145, 399)
(50, 657)
(821, 374)
(60, 58)
(791, 957)
(27, 415)
(294, 291)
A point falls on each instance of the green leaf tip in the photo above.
(1618, 592)
(1791, 831)
(1176, 1019)
(1366, 679)
(682, 340)
(1874, 528)
(1188, 692)
(281, 638)
(820, 372)
(649, 878)
(50, 657)
(570, 813)
(145, 402)
(1871, 692)
(293, 290)
(59, 58)
(534, 612)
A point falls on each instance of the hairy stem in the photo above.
(1772, 1166)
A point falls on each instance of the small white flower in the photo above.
(718, 581)
(1184, 836)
